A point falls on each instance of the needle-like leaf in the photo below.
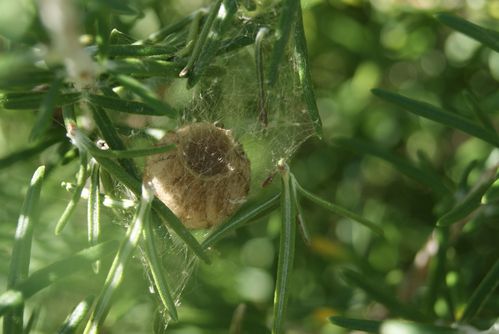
(286, 251)
(220, 26)
(44, 116)
(240, 218)
(482, 293)
(157, 272)
(175, 27)
(93, 207)
(300, 220)
(126, 106)
(117, 271)
(339, 210)
(76, 317)
(148, 96)
(145, 67)
(303, 67)
(134, 50)
(287, 20)
(202, 39)
(429, 111)
(21, 101)
(21, 252)
(485, 36)
(80, 184)
(260, 76)
(469, 203)
(111, 137)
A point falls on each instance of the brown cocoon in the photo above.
(205, 179)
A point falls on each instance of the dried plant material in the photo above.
(205, 179)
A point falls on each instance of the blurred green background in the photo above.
(354, 46)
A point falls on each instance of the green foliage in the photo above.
(399, 225)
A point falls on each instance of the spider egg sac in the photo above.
(204, 179)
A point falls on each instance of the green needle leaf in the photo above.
(103, 33)
(192, 35)
(76, 317)
(463, 180)
(172, 221)
(44, 116)
(356, 324)
(260, 75)
(286, 251)
(93, 207)
(80, 184)
(145, 67)
(438, 269)
(31, 320)
(173, 28)
(235, 43)
(106, 200)
(482, 293)
(201, 40)
(287, 19)
(474, 105)
(220, 26)
(301, 54)
(156, 270)
(133, 50)
(429, 111)
(120, 154)
(21, 252)
(22, 101)
(118, 37)
(110, 135)
(485, 36)
(117, 271)
(469, 203)
(382, 295)
(305, 232)
(26, 80)
(147, 95)
(246, 214)
(339, 210)
(126, 106)
(492, 195)
(9, 300)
